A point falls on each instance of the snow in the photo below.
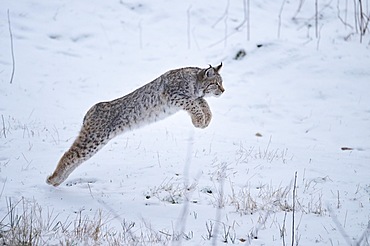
(290, 106)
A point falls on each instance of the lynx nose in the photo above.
(222, 89)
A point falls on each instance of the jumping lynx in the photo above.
(177, 89)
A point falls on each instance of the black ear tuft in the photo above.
(218, 67)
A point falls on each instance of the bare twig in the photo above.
(280, 12)
(246, 5)
(338, 204)
(363, 20)
(298, 9)
(226, 27)
(245, 15)
(261, 221)
(88, 185)
(355, 15)
(316, 19)
(224, 14)
(317, 13)
(249, 20)
(345, 16)
(319, 38)
(140, 34)
(293, 209)
(2, 190)
(283, 230)
(12, 49)
(188, 26)
(4, 131)
(209, 230)
(267, 148)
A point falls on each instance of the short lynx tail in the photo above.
(81, 150)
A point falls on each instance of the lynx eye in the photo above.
(220, 87)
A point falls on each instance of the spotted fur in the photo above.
(179, 89)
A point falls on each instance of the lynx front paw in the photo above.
(200, 122)
(207, 118)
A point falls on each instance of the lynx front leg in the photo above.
(84, 147)
(200, 113)
(206, 111)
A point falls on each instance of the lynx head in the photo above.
(210, 81)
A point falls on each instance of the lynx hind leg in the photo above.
(85, 146)
(200, 113)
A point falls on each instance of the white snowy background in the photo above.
(297, 103)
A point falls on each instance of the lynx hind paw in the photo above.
(53, 180)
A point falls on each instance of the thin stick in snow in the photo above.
(249, 21)
(246, 5)
(316, 19)
(298, 9)
(318, 38)
(363, 23)
(11, 49)
(355, 15)
(224, 14)
(280, 12)
(2, 190)
(88, 185)
(4, 131)
(282, 230)
(140, 35)
(188, 26)
(293, 211)
(245, 15)
(345, 16)
(338, 204)
(225, 21)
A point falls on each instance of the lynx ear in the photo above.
(218, 67)
(210, 72)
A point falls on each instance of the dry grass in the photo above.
(26, 223)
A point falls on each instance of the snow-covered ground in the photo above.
(296, 105)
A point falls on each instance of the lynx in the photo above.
(183, 88)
